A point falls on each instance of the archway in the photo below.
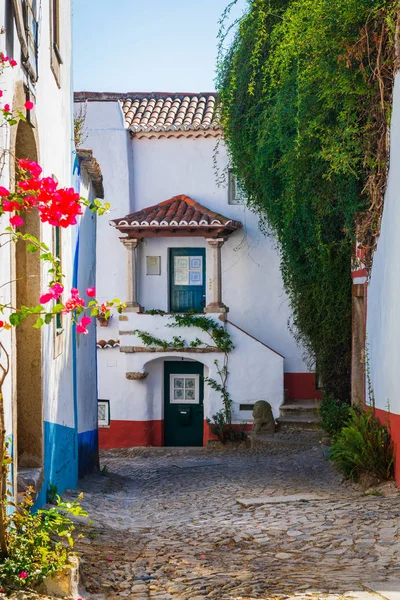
(29, 383)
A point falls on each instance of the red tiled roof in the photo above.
(164, 114)
(174, 113)
(102, 344)
(179, 211)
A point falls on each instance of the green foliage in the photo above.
(303, 120)
(364, 447)
(225, 432)
(38, 542)
(334, 414)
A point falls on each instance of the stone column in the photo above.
(132, 304)
(216, 305)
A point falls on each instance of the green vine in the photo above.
(305, 96)
(221, 340)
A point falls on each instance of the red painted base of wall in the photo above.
(301, 386)
(393, 423)
(127, 434)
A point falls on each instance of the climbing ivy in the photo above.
(221, 339)
(305, 95)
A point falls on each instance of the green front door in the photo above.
(183, 403)
(187, 279)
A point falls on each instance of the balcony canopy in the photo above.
(179, 216)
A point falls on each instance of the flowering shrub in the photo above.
(39, 542)
(59, 207)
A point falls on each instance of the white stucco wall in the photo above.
(255, 371)
(53, 125)
(147, 171)
(86, 360)
(383, 320)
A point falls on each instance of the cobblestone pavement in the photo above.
(167, 525)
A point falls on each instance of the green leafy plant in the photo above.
(52, 493)
(305, 92)
(335, 414)
(364, 447)
(39, 543)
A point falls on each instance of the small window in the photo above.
(236, 194)
(103, 413)
(246, 406)
(55, 37)
(184, 389)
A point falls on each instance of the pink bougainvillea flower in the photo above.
(13, 63)
(29, 105)
(4, 191)
(56, 289)
(81, 329)
(74, 292)
(91, 292)
(6, 108)
(1, 93)
(3, 57)
(45, 298)
(23, 575)
(85, 321)
(1, 323)
(32, 167)
(16, 220)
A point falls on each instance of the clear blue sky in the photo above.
(147, 45)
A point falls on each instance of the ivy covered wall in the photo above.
(305, 91)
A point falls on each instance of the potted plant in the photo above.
(104, 315)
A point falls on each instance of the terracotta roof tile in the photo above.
(102, 344)
(87, 159)
(173, 113)
(179, 211)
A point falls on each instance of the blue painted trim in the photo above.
(60, 459)
(87, 452)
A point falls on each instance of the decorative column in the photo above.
(216, 305)
(132, 304)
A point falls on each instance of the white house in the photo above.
(379, 298)
(44, 387)
(182, 239)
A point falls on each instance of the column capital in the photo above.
(130, 242)
(216, 242)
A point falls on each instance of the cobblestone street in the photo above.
(167, 524)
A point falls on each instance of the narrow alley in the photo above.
(190, 524)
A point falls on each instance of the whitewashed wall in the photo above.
(383, 317)
(144, 172)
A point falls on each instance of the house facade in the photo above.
(378, 314)
(182, 240)
(50, 371)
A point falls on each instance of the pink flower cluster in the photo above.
(73, 303)
(54, 293)
(57, 206)
(5, 59)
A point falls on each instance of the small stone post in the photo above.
(216, 305)
(132, 304)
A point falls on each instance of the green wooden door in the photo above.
(187, 279)
(183, 403)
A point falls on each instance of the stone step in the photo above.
(299, 409)
(308, 402)
(311, 422)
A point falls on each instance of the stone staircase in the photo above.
(300, 414)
